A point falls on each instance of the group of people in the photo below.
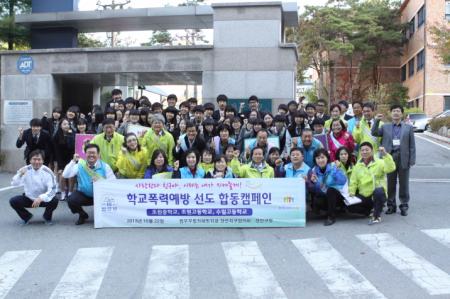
(348, 162)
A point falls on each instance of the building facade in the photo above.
(248, 56)
(421, 69)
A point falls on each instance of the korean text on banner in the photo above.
(200, 203)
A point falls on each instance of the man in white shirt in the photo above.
(39, 183)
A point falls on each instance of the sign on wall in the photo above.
(25, 64)
(17, 112)
(200, 203)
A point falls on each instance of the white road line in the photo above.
(422, 272)
(84, 275)
(12, 266)
(251, 274)
(430, 180)
(9, 188)
(341, 278)
(431, 141)
(440, 235)
(168, 273)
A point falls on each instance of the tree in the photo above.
(12, 35)
(191, 36)
(159, 38)
(113, 5)
(441, 39)
(354, 33)
(85, 41)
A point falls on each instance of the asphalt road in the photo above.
(402, 257)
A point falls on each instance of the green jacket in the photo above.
(109, 150)
(363, 134)
(165, 143)
(365, 179)
(248, 172)
(347, 172)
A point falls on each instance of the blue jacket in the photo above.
(185, 173)
(333, 177)
(309, 152)
(291, 173)
(84, 180)
(150, 171)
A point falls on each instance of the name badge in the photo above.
(396, 142)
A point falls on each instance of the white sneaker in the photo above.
(63, 196)
(374, 220)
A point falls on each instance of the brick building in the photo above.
(421, 70)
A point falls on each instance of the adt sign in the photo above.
(25, 64)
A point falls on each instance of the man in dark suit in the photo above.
(187, 141)
(35, 139)
(222, 101)
(398, 140)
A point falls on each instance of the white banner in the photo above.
(200, 203)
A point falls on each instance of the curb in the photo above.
(437, 137)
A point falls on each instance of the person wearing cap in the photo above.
(133, 119)
(222, 101)
(110, 143)
(159, 138)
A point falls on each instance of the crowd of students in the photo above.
(345, 160)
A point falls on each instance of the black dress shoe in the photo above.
(82, 219)
(391, 210)
(404, 212)
(329, 221)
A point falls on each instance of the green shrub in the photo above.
(412, 110)
(440, 122)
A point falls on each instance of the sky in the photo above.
(135, 38)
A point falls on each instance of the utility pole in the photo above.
(113, 5)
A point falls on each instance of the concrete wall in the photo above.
(248, 58)
(248, 55)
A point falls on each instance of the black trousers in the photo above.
(77, 200)
(20, 202)
(334, 198)
(378, 198)
(403, 179)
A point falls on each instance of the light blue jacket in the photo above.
(308, 153)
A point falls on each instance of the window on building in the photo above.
(411, 67)
(412, 27)
(447, 10)
(421, 17)
(446, 103)
(420, 60)
(404, 73)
